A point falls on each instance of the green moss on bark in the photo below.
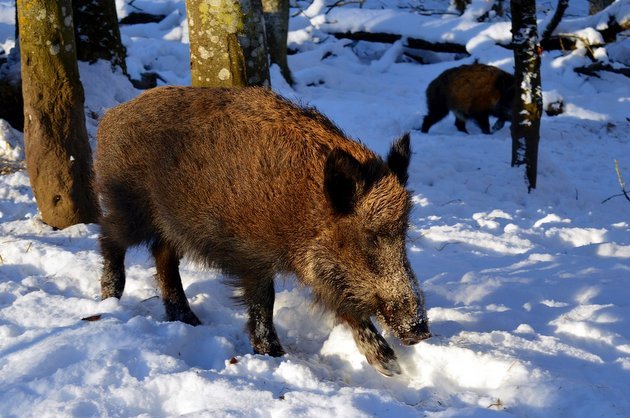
(58, 154)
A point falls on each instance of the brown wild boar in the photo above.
(245, 181)
(471, 92)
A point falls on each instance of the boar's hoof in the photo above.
(384, 361)
(273, 349)
(388, 368)
(174, 313)
(190, 319)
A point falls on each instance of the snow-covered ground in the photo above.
(528, 294)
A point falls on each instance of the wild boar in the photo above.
(245, 181)
(471, 92)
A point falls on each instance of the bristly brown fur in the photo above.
(246, 181)
(474, 91)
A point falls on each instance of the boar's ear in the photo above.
(342, 174)
(398, 158)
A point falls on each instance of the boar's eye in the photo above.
(375, 240)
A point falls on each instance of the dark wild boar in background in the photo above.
(475, 92)
(247, 182)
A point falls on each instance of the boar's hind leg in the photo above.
(259, 295)
(460, 124)
(170, 282)
(483, 122)
(498, 124)
(374, 347)
(436, 114)
(113, 276)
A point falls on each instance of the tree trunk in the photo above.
(528, 96)
(555, 20)
(58, 155)
(227, 43)
(596, 6)
(97, 33)
(277, 25)
(460, 5)
(11, 104)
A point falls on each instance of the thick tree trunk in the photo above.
(97, 33)
(528, 98)
(227, 43)
(58, 155)
(277, 27)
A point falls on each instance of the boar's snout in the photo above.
(416, 334)
(407, 317)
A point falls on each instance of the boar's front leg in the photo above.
(113, 276)
(170, 282)
(374, 347)
(259, 296)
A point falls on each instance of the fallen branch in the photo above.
(593, 69)
(414, 43)
(562, 41)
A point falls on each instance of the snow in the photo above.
(527, 293)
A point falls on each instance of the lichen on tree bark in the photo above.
(226, 43)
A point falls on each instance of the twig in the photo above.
(498, 404)
(301, 11)
(451, 201)
(149, 298)
(611, 197)
(624, 192)
(621, 182)
(343, 3)
(441, 248)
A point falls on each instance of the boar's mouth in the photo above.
(418, 333)
(409, 333)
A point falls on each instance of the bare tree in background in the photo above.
(97, 34)
(555, 19)
(596, 6)
(58, 155)
(528, 98)
(276, 14)
(227, 43)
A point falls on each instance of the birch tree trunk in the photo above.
(97, 34)
(227, 43)
(58, 155)
(528, 98)
(276, 14)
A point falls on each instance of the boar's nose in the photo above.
(418, 333)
